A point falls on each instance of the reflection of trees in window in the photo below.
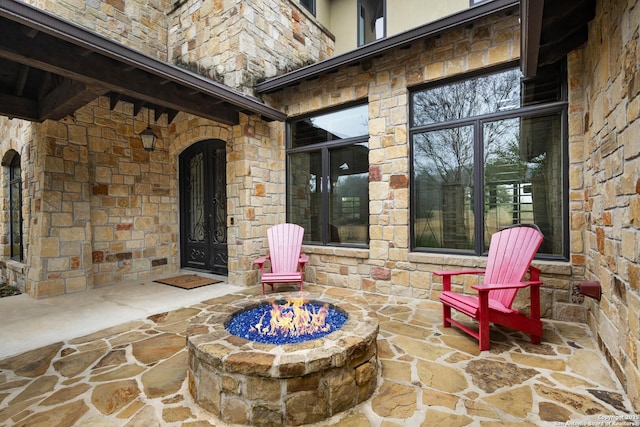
(443, 162)
(482, 162)
(469, 98)
(349, 174)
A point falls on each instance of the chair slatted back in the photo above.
(510, 254)
(285, 245)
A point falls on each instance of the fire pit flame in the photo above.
(293, 318)
(289, 321)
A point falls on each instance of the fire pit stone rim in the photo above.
(320, 354)
(349, 353)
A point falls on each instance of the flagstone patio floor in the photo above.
(135, 374)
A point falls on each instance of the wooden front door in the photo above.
(203, 207)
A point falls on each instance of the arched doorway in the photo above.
(203, 207)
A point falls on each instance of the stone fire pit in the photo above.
(246, 382)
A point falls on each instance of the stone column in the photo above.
(59, 258)
(255, 193)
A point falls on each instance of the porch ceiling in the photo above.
(551, 29)
(50, 67)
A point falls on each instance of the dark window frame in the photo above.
(560, 106)
(360, 42)
(15, 201)
(323, 148)
(309, 5)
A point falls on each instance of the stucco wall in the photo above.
(607, 182)
(401, 15)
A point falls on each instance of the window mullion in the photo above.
(478, 191)
(325, 192)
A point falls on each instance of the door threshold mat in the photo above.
(188, 281)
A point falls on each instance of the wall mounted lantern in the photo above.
(148, 137)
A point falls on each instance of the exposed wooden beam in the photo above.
(68, 46)
(113, 100)
(45, 83)
(22, 79)
(19, 108)
(171, 114)
(565, 26)
(66, 98)
(558, 48)
(158, 113)
(30, 32)
(137, 106)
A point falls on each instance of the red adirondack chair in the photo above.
(287, 261)
(510, 254)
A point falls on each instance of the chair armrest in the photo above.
(446, 276)
(519, 285)
(304, 258)
(456, 272)
(261, 260)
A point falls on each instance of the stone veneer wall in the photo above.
(238, 43)
(98, 208)
(255, 184)
(104, 210)
(140, 24)
(229, 41)
(57, 230)
(15, 135)
(388, 266)
(606, 186)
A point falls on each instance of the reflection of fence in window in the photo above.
(508, 203)
(444, 215)
(456, 216)
(350, 208)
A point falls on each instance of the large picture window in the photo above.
(489, 152)
(328, 176)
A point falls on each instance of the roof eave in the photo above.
(531, 24)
